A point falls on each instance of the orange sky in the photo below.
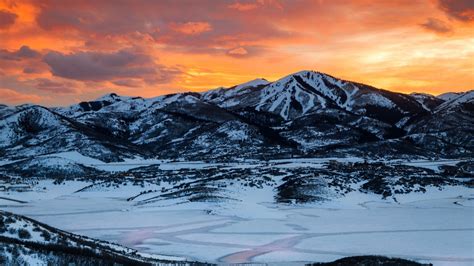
(61, 52)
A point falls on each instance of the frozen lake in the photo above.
(436, 226)
(440, 229)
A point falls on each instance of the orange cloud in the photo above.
(458, 9)
(243, 6)
(169, 46)
(238, 51)
(191, 28)
(11, 96)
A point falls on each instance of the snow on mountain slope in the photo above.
(34, 130)
(307, 91)
(303, 113)
(19, 122)
(429, 102)
(96, 105)
(290, 97)
(454, 101)
(448, 95)
(48, 167)
(448, 130)
(225, 97)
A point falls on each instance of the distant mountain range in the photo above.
(305, 114)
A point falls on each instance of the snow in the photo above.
(421, 98)
(350, 93)
(127, 164)
(454, 100)
(448, 96)
(75, 156)
(235, 131)
(433, 165)
(306, 100)
(113, 97)
(448, 245)
(252, 83)
(236, 239)
(435, 226)
(277, 96)
(376, 99)
(236, 90)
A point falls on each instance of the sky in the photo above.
(62, 52)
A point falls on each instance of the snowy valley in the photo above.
(308, 168)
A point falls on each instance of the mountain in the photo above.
(303, 114)
(448, 128)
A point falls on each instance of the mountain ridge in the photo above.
(306, 113)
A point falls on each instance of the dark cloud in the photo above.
(132, 83)
(24, 52)
(188, 26)
(99, 17)
(100, 66)
(32, 70)
(7, 19)
(27, 52)
(51, 19)
(48, 85)
(437, 26)
(459, 9)
(194, 27)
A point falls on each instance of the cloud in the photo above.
(7, 19)
(12, 96)
(102, 66)
(24, 52)
(437, 26)
(48, 85)
(32, 70)
(247, 51)
(459, 9)
(191, 28)
(131, 83)
(86, 41)
(206, 26)
(25, 60)
(243, 6)
(238, 51)
(27, 52)
(53, 18)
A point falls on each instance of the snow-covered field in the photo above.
(436, 226)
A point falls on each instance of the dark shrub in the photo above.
(24, 234)
(46, 235)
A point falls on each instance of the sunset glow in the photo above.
(60, 52)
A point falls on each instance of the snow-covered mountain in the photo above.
(303, 114)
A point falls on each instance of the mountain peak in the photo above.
(114, 97)
(253, 83)
(452, 100)
(302, 73)
(448, 95)
(304, 112)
